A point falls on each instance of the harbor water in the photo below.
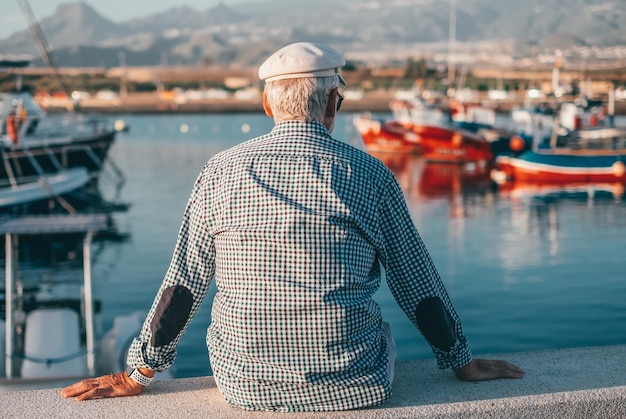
(526, 270)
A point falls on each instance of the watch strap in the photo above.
(140, 378)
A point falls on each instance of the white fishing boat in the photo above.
(51, 332)
(45, 164)
(29, 136)
(45, 187)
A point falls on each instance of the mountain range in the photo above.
(241, 35)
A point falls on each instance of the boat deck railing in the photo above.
(12, 228)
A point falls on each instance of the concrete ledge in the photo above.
(572, 383)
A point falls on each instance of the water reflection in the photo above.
(53, 325)
(539, 207)
(520, 191)
(518, 269)
(527, 266)
(560, 226)
(421, 180)
(522, 227)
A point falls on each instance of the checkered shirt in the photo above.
(294, 226)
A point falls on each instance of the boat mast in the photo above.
(611, 106)
(42, 44)
(451, 46)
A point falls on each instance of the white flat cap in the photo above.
(302, 59)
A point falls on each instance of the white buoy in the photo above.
(184, 128)
(120, 125)
(245, 128)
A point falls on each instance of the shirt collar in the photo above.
(314, 127)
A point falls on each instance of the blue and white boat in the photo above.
(571, 154)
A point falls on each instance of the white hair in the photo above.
(300, 99)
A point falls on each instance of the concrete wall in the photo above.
(572, 383)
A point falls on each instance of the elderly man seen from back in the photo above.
(295, 227)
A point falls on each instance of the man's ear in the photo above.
(266, 106)
(331, 107)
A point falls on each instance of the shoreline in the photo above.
(156, 106)
(150, 103)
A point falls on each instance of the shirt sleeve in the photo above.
(414, 281)
(183, 289)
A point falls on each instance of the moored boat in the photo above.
(594, 154)
(435, 143)
(386, 136)
(49, 319)
(31, 141)
(444, 144)
(45, 187)
(51, 162)
(437, 134)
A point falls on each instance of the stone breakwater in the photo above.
(569, 383)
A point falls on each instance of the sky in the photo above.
(12, 19)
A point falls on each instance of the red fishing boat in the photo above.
(435, 143)
(418, 127)
(386, 136)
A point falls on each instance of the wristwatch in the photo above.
(134, 374)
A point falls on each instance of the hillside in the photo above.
(240, 35)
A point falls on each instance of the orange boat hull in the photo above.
(433, 142)
(386, 137)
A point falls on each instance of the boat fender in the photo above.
(436, 323)
(13, 128)
(517, 144)
(121, 126)
(578, 122)
(170, 315)
(619, 169)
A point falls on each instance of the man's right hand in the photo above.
(488, 369)
(113, 385)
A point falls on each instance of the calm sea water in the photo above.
(524, 273)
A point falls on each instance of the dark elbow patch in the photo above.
(171, 315)
(436, 323)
